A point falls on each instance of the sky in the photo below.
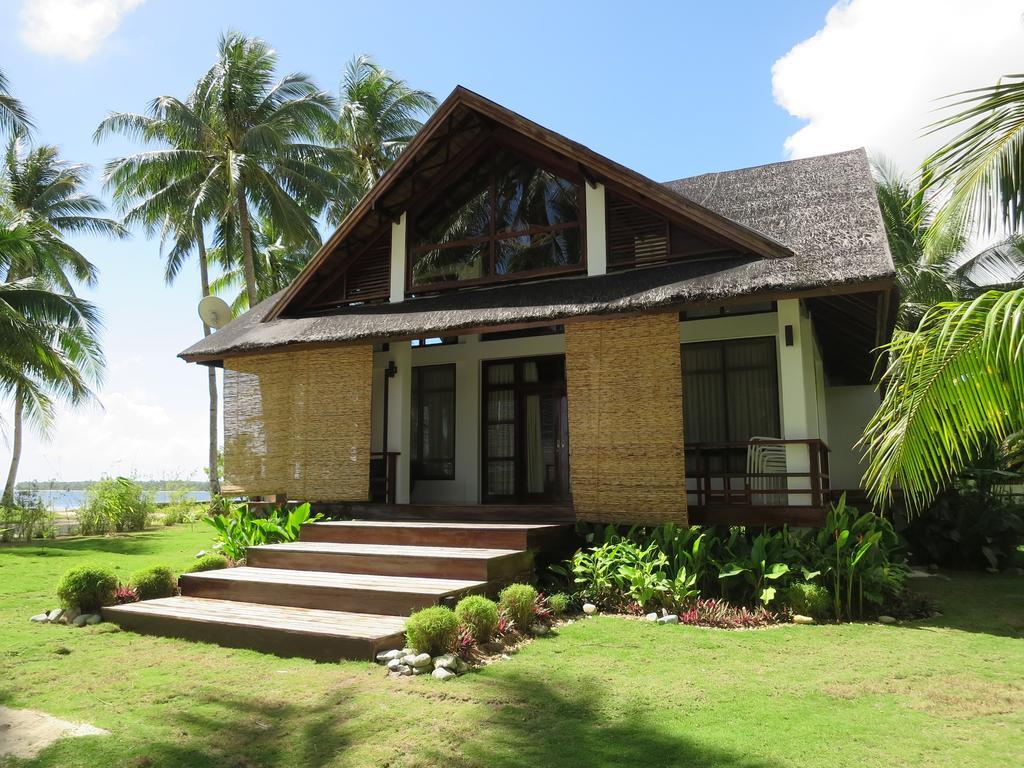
(670, 89)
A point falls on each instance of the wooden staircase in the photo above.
(344, 589)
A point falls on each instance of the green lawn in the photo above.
(604, 692)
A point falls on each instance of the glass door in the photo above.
(526, 430)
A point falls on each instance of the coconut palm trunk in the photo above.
(248, 262)
(12, 473)
(204, 278)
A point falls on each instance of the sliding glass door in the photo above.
(526, 433)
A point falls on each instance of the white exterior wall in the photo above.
(597, 242)
(849, 409)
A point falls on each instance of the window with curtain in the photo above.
(433, 422)
(730, 393)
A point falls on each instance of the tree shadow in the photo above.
(980, 603)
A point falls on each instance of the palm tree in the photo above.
(952, 387)
(172, 191)
(981, 169)
(377, 117)
(277, 263)
(260, 135)
(48, 336)
(13, 115)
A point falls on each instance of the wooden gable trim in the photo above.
(593, 166)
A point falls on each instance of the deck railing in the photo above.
(762, 472)
(383, 471)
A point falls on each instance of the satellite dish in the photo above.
(214, 311)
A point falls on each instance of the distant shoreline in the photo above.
(84, 485)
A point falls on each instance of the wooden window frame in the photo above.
(417, 436)
(494, 236)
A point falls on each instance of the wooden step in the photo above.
(476, 513)
(391, 595)
(451, 533)
(286, 631)
(497, 565)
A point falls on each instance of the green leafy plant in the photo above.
(433, 630)
(208, 563)
(519, 603)
(479, 615)
(808, 599)
(559, 603)
(240, 528)
(115, 504)
(761, 566)
(87, 588)
(154, 582)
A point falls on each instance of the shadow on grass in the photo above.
(980, 603)
(140, 543)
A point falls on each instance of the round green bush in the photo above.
(208, 563)
(87, 588)
(519, 603)
(558, 603)
(433, 630)
(155, 581)
(808, 600)
(480, 615)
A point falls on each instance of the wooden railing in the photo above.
(383, 471)
(727, 474)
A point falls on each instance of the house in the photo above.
(509, 320)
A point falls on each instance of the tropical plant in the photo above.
(115, 504)
(377, 117)
(87, 588)
(723, 615)
(432, 630)
(808, 599)
(952, 387)
(519, 603)
(761, 566)
(479, 615)
(13, 115)
(559, 603)
(240, 529)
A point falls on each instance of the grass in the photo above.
(604, 692)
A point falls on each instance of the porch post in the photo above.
(597, 245)
(397, 292)
(798, 392)
(400, 417)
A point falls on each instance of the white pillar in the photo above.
(398, 260)
(798, 391)
(400, 417)
(597, 241)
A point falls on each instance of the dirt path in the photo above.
(25, 733)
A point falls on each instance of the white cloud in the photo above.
(74, 29)
(871, 76)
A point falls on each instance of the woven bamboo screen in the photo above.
(624, 387)
(298, 423)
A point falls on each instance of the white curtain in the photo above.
(534, 446)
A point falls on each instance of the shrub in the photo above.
(808, 600)
(479, 615)
(208, 563)
(433, 630)
(240, 528)
(154, 582)
(519, 603)
(720, 614)
(559, 603)
(115, 504)
(87, 588)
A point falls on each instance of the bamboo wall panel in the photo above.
(298, 423)
(624, 386)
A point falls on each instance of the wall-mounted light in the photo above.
(391, 370)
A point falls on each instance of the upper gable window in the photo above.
(506, 218)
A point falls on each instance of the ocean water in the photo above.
(62, 500)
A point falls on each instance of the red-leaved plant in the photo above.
(465, 642)
(720, 614)
(125, 594)
(540, 608)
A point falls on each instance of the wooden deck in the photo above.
(344, 588)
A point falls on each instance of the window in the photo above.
(730, 393)
(433, 422)
(506, 217)
(756, 308)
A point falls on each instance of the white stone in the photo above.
(409, 658)
(40, 618)
(405, 671)
(589, 608)
(420, 670)
(81, 619)
(801, 619)
(420, 660)
(94, 618)
(201, 553)
(385, 656)
(55, 614)
(447, 661)
(670, 619)
(651, 616)
(886, 620)
(394, 664)
(442, 674)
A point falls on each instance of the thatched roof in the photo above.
(824, 209)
